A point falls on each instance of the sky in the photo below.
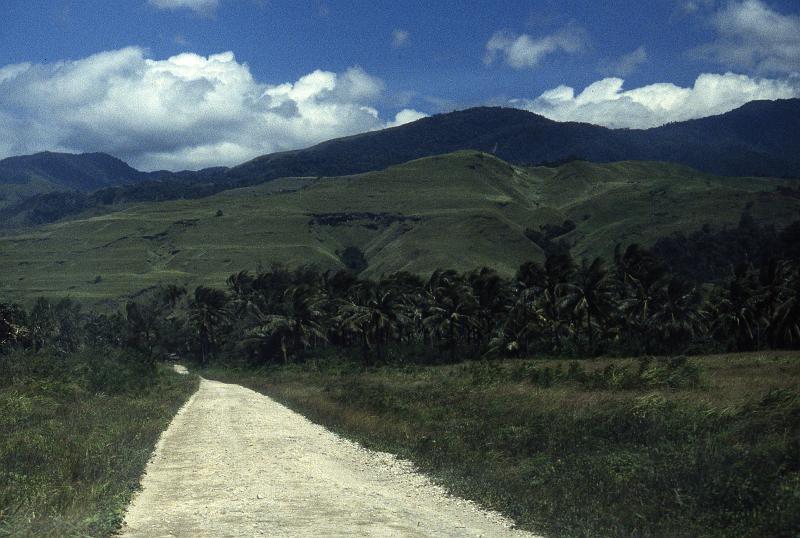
(186, 84)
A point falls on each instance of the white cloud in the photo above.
(750, 35)
(693, 6)
(605, 102)
(624, 65)
(407, 115)
(400, 38)
(199, 6)
(187, 111)
(523, 51)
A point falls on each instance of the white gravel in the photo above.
(236, 463)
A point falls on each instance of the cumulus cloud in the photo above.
(751, 35)
(400, 38)
(523, 51)
(407, 115)
(605, 102)
(624, 65)
(199, 6)
(187, 111)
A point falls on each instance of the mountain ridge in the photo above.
(524, 138)
(761, 138)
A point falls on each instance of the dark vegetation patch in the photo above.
(366, 219)
(547, 237)
(353, 258)
(713, 253)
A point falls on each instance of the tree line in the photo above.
(633, 305)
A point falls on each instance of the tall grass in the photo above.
(697, 447)
(77, 432)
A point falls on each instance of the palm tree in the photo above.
(589, 295)
(774, 280)
(525, 321)
(734, 311)
(451, 308)
(545, 283)
(492, 294)
(294, 324)
(172, 293)
(677, 317)
(241, 284)
(375, 313)
(642, 280)
(206, 313)
(786, 319)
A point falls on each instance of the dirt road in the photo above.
(236, 463)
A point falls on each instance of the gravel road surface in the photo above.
(236, 463)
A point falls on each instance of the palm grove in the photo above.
(637, 304)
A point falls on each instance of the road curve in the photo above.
(236, 463)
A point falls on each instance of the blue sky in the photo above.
(152, 81)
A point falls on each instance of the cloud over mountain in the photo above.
(187, 111)
(606, 103)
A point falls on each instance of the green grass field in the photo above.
(706, 447)
(460, 211)
(76, 434)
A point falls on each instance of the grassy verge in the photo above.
(704, 447)
(76, 435)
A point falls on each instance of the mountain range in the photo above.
(761, 138)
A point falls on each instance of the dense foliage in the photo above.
(633, 306)
(710, 254)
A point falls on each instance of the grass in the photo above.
(704, 447)
(469, 210)
(77, 433)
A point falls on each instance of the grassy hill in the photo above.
(461, 210)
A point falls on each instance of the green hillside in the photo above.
(461, 210)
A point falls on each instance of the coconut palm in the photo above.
(786, 320)
(450, 312)
(588, 296)
(734, 311)
(492, 295)
(207, 312)
(293, 326)
(676, 317)
(374, 313)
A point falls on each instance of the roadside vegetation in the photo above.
(705, 446)
(78, 426)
